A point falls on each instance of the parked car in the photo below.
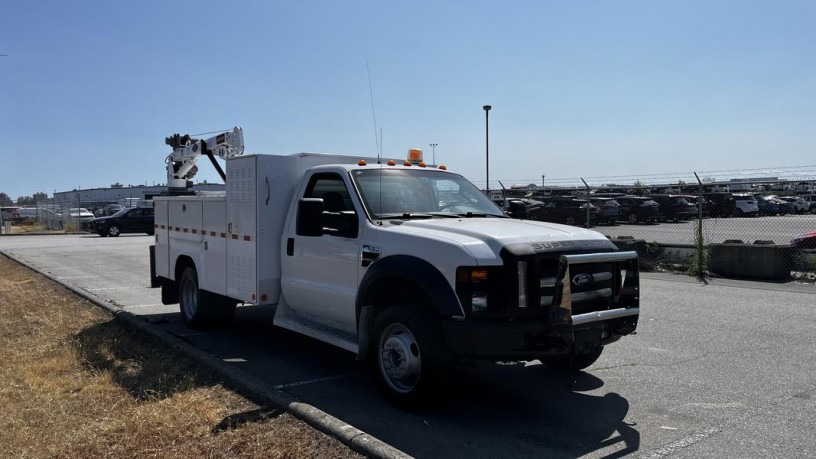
(608, 210)
(785, 207)
(108, 210)
(746, 205)
(637, 209)
(800, 206)
(566, 210)
(77, 215)
(10, 213)
(811, 200)
(518, 207)
(673, 207)
(805, 241)
(132, 220)
(721, 204)
(694, 200)
(28, 212)
(766, 206)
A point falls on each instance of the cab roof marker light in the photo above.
(407, 163)
(391, 162)
(421, 164)
(361, 162)
(415, 155)
(442, 167)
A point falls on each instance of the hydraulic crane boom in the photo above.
(186, 150)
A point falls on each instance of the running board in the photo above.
(317, 331)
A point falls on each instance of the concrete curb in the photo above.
(349, 435)
(44, 233)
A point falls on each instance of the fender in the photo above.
(417, 271)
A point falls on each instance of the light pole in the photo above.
(487, 150)
(433, 147)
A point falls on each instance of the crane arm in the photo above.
(181, 163)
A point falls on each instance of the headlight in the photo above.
(479, 288)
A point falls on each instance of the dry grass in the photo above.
(31, 225)
(75, 384)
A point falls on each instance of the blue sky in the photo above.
(90, 89)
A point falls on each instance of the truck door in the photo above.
(320, 273)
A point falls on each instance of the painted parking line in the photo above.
(318, 380)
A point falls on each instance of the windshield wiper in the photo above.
(476, 214)
(404, 215)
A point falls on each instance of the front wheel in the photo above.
(114, 231)
(571, 363)
(633, 219)
(405, 352)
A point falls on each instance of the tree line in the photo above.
(5, 200)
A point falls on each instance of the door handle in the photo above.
(290, 246)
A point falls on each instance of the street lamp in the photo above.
(487, 151)
(433, 146)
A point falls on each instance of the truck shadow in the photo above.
(480, 409)
(144, 369)
(538, 413)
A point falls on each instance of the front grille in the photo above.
(548, 285)
(593, 286)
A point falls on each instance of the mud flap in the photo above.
(154, 279)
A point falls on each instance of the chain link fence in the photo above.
(747, 228)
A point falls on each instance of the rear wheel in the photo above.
(201, 309)
(570, 220)
(405, 354)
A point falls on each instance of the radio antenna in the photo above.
(377, 141)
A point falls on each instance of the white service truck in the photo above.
(406, 265)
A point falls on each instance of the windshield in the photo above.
(400, 193)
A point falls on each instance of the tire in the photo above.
(405, 351)
(633, 219)
(200, 309)
(114, 231)
(739, 213)
(571, 363)
(570, 220)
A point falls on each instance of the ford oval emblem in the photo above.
(582, 279)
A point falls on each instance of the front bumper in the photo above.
(596, 292)
(532, 340)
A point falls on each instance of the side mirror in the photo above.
(310, 217)
(518, 209)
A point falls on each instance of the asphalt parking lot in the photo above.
(724, 369)
(780, 229)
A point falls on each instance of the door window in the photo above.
(339, 217)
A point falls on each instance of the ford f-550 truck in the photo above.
(406, 265)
